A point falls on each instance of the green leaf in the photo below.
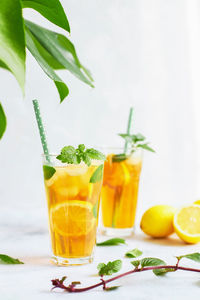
(119, 157)
(138, 137)
(146, 147)
(33, 46)
(48, 172)
(135, 263)
(151, 261)
(68, 155)
(75, 282)
(60, 48)
(162, 272)
(86, 159)
(62, 90)
(193, 256)
(110, 267)
(8, 260)
(133, 253)
(3, 66)
(95, 154)
(95, 209)
(111, 288)
(51, 10)
(81, 147)
(12, 41)
(3, 122)
(97, 175)
(63, 279)
(112, 242)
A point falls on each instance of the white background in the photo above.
(141, 53)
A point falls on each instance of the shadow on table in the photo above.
(37, 260)
(171, 241)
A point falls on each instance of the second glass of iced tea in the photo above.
(120, 191)
(73, 203)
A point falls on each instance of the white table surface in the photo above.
(26, 237)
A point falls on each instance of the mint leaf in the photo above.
(109, 268)
(119, 157)
(8, 260)
(193, 256)
(146, 147)
(133, 253)
(81, 147)
(85, 157)
(48, 172)
(95, 209)
(68, 155)
(111, 288)
(97, 175)
(63, 279)
(162, 272)
(112, 242)
(135, 263)
(151, 261)
(95, 154)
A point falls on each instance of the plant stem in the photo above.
(58, 284)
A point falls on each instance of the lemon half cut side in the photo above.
(187, 223)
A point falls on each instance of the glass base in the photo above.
(118, 231)
(63, 261)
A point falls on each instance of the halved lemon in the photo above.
(187, 223)
(73, 218)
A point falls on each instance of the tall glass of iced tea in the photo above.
(120, 191)
(73, 202)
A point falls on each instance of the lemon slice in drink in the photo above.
(73, 218)
(187, 224)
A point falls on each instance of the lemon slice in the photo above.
(72, 218)
(187, 223)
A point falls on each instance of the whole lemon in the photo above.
(197, 202)
(157, 221)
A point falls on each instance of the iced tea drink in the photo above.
(73, 203)
(120, 192)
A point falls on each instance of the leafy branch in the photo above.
(51, 50)
(158, 266)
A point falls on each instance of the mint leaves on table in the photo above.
(136, 141)
(112, 242)
(133, 253)
(48, 172)
(8, 260)
(109, 268)
(157, 265)
(72, 155)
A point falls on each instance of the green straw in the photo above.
(129, 126)
(41, 129)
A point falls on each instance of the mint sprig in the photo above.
(136, 141)
(72, 155)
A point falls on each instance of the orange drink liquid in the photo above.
(73, 204)
(120, 193)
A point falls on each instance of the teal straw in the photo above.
(129, 126)
(41, 129)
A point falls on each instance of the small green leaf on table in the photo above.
(111, 288)
(112, 242)
(133, 253)
(48, 172)
(109, 268)
(2, 121)
(8, 260)
(97, 175)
